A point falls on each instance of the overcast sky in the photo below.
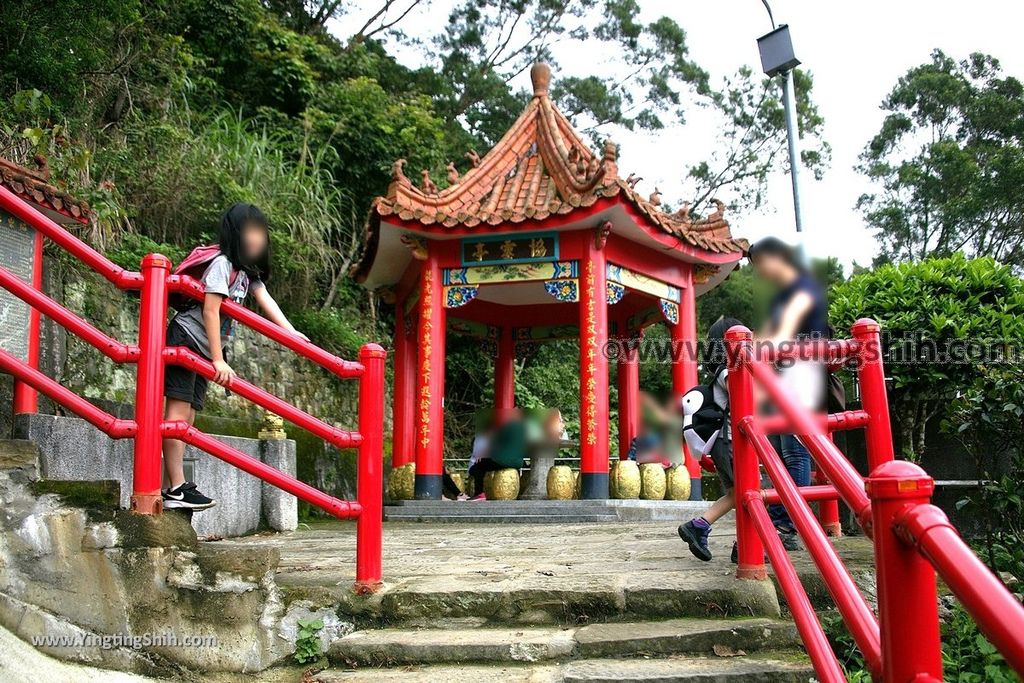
(856, 52)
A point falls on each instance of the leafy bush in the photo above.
(330, 329)
(967, 656)
(927, 309)
(129, 252)
(989, 421)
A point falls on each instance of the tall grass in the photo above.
(182, 174)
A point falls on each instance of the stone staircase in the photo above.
(727, 650)
(536, 603)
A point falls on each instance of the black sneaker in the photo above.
(697, 539)
(186, 496)
(790, 541)
(735, 556)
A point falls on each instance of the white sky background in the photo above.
(856, 50)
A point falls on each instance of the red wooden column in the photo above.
(684, 367)
(593, 367)
(429, 399)
(505, 371)
(629, 392)
(403, 439)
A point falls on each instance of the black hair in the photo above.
(715, 352)
(773, 246)
(232, 223)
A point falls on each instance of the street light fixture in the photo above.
(777, 57)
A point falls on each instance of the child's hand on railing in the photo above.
(224, 372)
(300, 335)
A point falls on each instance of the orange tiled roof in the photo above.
(540, 168)
(34, 187)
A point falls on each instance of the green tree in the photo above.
(943, 321)
(949, 163)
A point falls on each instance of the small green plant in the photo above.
(967, 657)
(307, 644)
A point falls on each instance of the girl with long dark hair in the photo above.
(241, 266)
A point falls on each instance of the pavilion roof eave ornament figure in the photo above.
(540, 172)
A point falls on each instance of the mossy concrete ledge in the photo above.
(136, 593)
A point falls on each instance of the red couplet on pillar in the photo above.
(593, 369)
(403, 449)
(430, 383)
(505, 371)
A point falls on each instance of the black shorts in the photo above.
(180, 383)
(721, 455)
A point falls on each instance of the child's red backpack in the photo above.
(194, 266)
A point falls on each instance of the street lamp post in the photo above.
(777, 57)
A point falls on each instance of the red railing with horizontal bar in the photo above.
(913, 540)
(148, 428)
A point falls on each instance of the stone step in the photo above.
(543, 511)
(770, 668)
(402, 646)
(19, 455)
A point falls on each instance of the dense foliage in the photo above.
(944, 319)
(949, 160)
(162, 113)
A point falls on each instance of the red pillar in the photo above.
(505, 371)
(403, 407)
(149, 386)
(26, 400)
(430, 380)
(593, 369)
(370, 479)
(908, 616)
(746, 473)
(629, 393)
(871, 373)
(684, 368)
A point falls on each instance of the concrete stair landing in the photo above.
(542, 511)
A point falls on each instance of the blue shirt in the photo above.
(815, 322)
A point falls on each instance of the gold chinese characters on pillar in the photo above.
(426, 316)
(589, 339)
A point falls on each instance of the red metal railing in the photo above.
(148, 428)
(912, 538)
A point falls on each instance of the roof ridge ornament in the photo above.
(540, 75)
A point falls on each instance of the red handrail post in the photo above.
(871, 373)
(746, 475)
(26, 399)
(907, 600)
(370, 481)
(149, 386)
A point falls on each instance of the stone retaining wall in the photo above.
(72, 449)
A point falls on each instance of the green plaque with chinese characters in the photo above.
(503, 249)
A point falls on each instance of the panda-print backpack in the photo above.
(703, 417)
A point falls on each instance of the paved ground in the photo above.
(423, 560)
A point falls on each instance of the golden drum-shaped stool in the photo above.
(677, 484)
(502, 484)
(561, 484)
(652, 481)
(577, 485)
(624, 480)
(402, 483)
(457, 478)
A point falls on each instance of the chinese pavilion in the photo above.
(540, 239)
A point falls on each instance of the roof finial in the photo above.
(540, 74)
